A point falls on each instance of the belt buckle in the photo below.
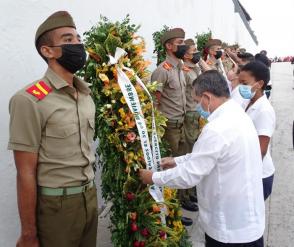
(86, 187)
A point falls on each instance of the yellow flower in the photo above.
(123, 100)
(168, 194)
(171, 213)
(122, 113)
(104, 78)
(178, 225)
(179, 213)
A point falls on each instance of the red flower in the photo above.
(162, 235)
(130, 196)
(136, 244)
(130, 137)
(134, 227)
(142, 243)
(145, 232)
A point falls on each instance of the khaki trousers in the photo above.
(68, 221)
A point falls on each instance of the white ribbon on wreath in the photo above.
(151, 154)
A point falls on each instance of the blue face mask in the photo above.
(246, 91)
(201, 111)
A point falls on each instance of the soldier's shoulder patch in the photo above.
(209, 62)
(186, 68)
(167, 66)
(39, 90)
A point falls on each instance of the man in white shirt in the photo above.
(226, 166)
(256, 75)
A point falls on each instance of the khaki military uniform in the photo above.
(191, 121)
(228, 64)
(47, 119)
(214, 65)
(173, 100)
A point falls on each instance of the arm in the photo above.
(159, 75)
(265, 126)
(191, 168)
(26, 165)
(264, 142)
(204, 66)
(25, 135)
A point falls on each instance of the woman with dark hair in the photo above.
(255, 76)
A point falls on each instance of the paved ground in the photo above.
(280, 207)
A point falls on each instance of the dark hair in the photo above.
(246, 57)
(44, 39)
(263, 59)
(213, 82)
(259, 71)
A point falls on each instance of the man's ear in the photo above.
(47, 52)
(168, 46)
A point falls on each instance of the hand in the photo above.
(28, 241)
(167, 163)
(146, 176)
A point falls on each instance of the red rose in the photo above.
(130, 196)
(134, 227)
(136, 244)
(142, 243)
(145, 232)
(162, 234)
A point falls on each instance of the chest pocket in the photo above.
(90, 131)
(173, 86)
(61, 141)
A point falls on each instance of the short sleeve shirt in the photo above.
(191, 72)
(59, 128)
(173, 88)
(264, 120)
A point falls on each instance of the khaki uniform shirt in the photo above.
(191, 72)
(59, 128)
(214, 65)
(173, 99)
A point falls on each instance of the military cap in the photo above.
(171, 34)
(212, 42)
(54, 21)
(189, 42)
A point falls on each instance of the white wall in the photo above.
(20, 63)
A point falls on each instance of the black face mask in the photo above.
(73, 57)
(181, 50)
(218, 54)
(196, 57)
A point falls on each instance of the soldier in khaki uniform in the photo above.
(171, 99)
(192, 70)
(171, 95)
(213, 48)
(51, 132)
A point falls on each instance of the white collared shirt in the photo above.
(226, 166)
(264, 119)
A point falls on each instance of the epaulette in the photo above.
(186, 68)
(167, 66)
(40, 90)
(209, 62)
